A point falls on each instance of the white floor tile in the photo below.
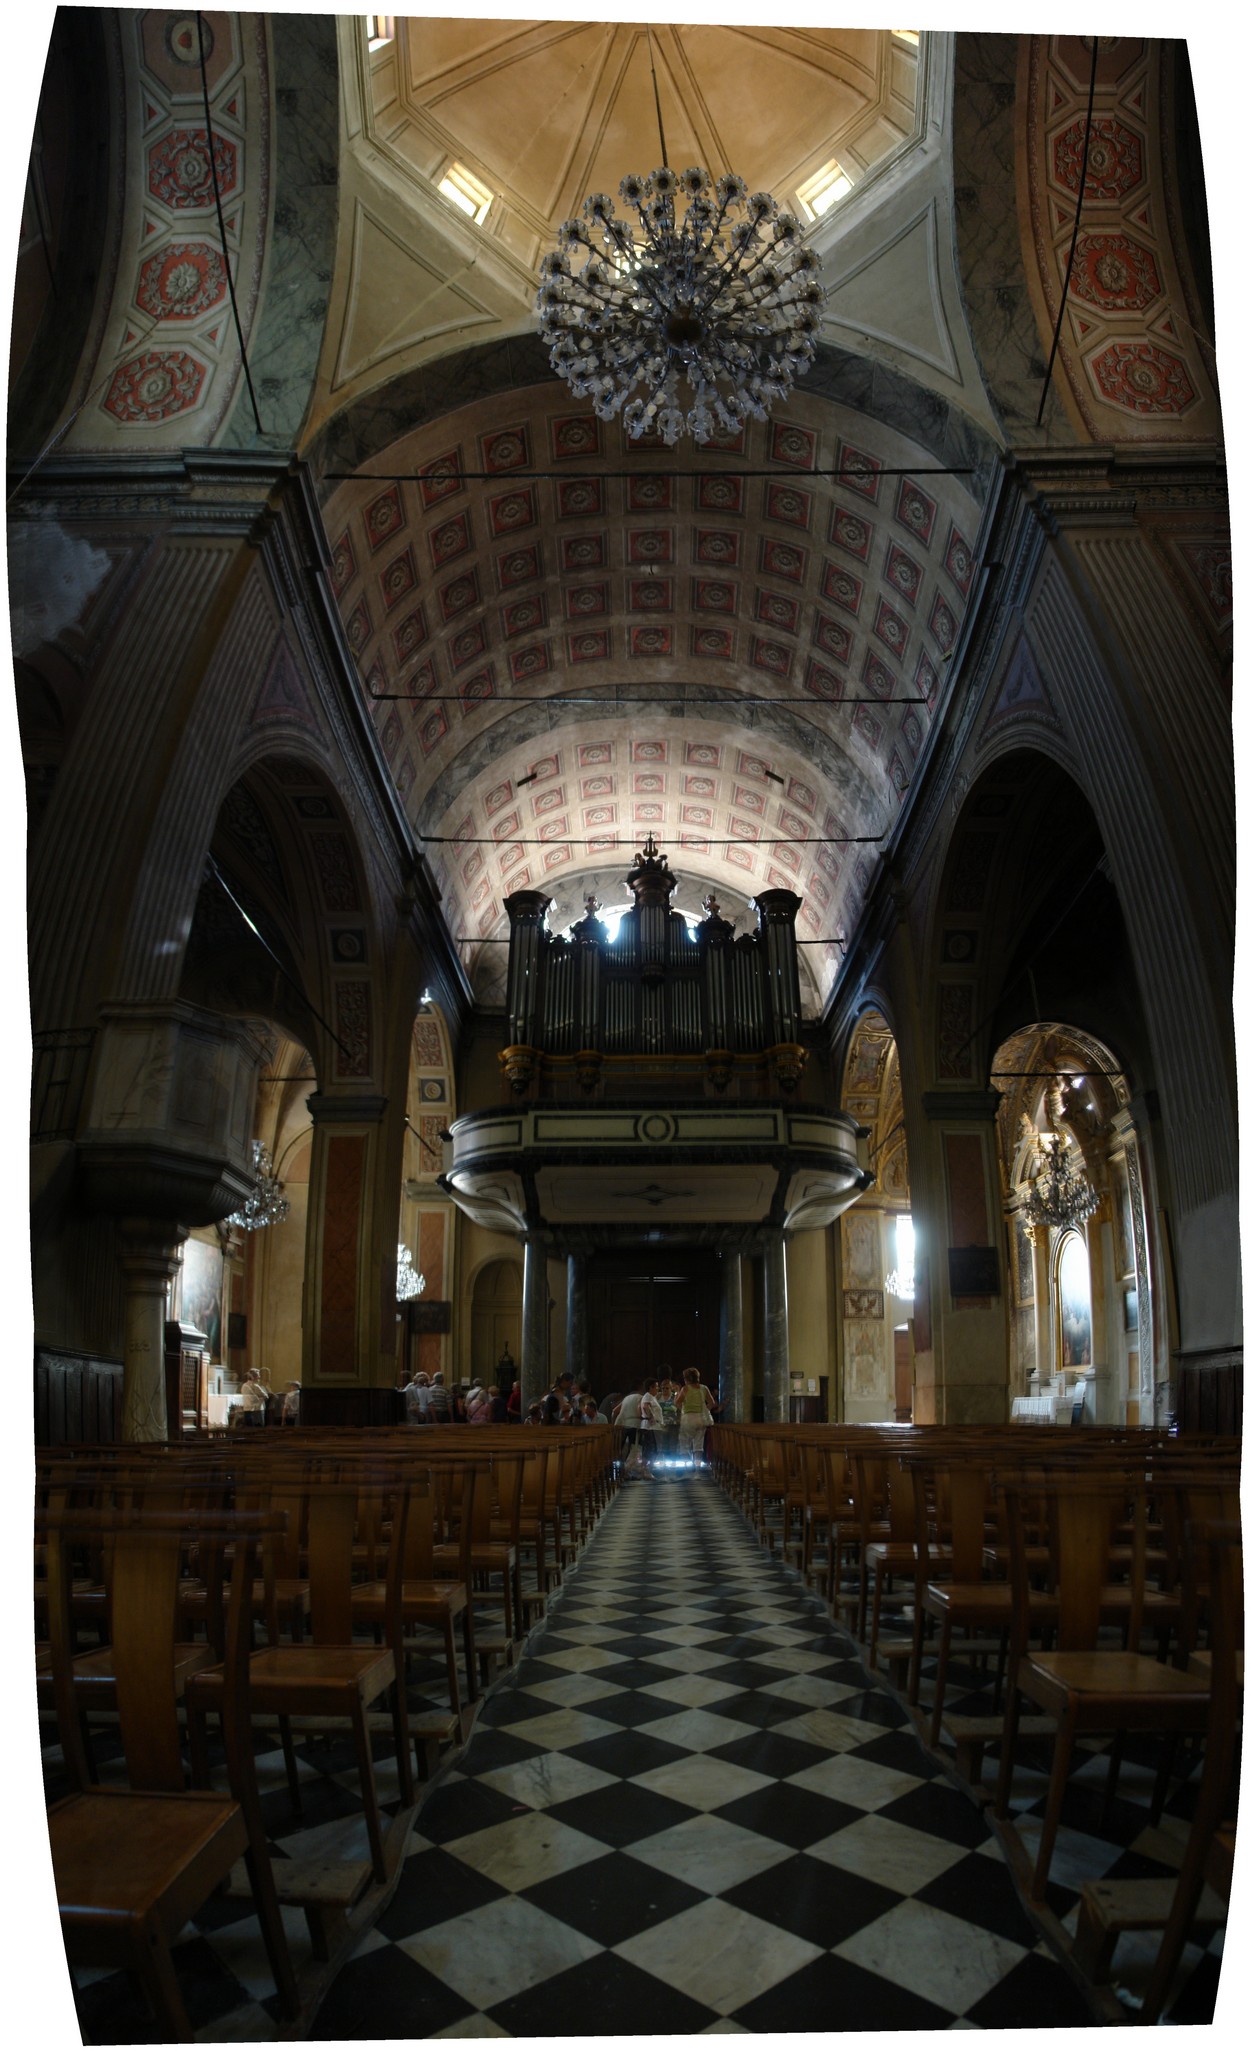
(499, 1950)
(941, 1957)
(718, 1954)
(710, 1853)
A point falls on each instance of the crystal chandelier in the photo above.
(265, 1204)
(1059, 1197)
(727, 300)
(408, 1282)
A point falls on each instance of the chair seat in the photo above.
(1113, 1679)
(95, 1681)
(305, 1680)
(420, 1600)
(128, 1855)
(987, 1602)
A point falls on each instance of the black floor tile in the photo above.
(619, 1817)
(794, 1816)
(386, 1994)
(605, 1996)
(979, 1890)
(1195, 2004)
(433, 1887)
(765, 1751)
(813, 1900)
(756, 1706)
(941, 1810)
(114, 2011)
(613, 1898)
(1037, 1990)
(626, 1752)
(630, 1707)
(833, 1993)
(900, 1749)
(464, 1806)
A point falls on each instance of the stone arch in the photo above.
(1055, 1078)
(1027, 922)
(283, 853)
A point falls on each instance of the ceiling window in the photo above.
(465, 192)
(821, 191)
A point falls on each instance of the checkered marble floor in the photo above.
(687, 1809)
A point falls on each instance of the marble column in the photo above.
(732, 1391)
(776, 1331)
(151, 1250)
(534, 1371)
(576, 1357)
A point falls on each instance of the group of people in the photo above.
(666, 1416)
(257, 1404)
(428, 1400)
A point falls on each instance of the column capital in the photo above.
(978, 1105)
(346, 1110)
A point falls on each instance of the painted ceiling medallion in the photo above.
(724, 303)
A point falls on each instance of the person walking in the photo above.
(696, 1407)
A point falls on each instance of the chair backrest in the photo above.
(146, 1550)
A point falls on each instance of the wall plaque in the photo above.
(434, 1316)
(974, 1270)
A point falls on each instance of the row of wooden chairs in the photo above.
(348, 1550)
(1082, 1566)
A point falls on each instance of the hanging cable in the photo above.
(221, 226)
(283, 971)
(1080, 195)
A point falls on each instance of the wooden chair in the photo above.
(332, 1676)
(957, 1594)
(132, 1865)
(1085, 1687)
(417, 1597)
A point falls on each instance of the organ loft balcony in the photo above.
(655, 1083)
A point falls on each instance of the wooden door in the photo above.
(652, 1314)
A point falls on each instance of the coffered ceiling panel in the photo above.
(568, 641)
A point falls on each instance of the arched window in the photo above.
(1072, 1300)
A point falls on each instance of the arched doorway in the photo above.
(496, 1317)
(1085, 1321)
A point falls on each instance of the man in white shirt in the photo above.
(628, 1414)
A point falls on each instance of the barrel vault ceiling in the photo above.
(569, 641)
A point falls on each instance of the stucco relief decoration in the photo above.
(186, 279)
(955, 1032)
(171, 282)
(1134, 357)
(154, 386)
(352, 1023)
(863, 1251)
(865, 1357)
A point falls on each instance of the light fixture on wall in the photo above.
(265, 1203)
(1059, 1198)
(726, 300)
(409, 1282)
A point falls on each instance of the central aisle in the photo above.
(688, 1809)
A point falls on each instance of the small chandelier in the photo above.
(728, 301)
(265, 1204)
(1059, 1197)
(408, 1281)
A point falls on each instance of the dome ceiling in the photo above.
(569, 641)
(544, 112)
